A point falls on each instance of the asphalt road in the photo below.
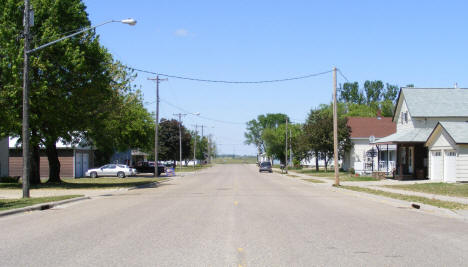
(230, 215)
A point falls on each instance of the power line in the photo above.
(232, 82)
(203, 117)
(342, 75)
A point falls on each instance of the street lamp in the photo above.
(25, 131)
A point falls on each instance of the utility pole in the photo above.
(290, 147)
(180, 136)
(156, 125)
(26, 136)
(195, 147)
(335, 131)
(286, 148)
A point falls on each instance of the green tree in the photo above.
(373, 91)
(275, 140)
(169, 141)
(255, 129)
(318, 131)
(68, 79)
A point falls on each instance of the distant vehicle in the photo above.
(148, 167)
(118, 170)
(265, 167)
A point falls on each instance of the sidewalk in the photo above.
(378, 185)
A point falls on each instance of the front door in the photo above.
(78, 165)
(411, 159)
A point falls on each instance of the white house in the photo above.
(365, 156)
(4, 157)
(428, 138)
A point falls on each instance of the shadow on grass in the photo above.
(6, 204)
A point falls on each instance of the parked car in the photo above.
(265, 167)
(118, 170)
(148, 167)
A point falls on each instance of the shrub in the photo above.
(9, 179)
(352, 171)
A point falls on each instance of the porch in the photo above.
(411, 161)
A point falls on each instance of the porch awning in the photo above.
(417, 135)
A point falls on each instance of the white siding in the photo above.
(462, 163)
(3, 157)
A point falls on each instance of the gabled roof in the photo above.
(364, 127)
(416, 135)
(457, 130)
(436, 102)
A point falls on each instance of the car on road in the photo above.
(118, 170)
(265, 167)
(148, 167)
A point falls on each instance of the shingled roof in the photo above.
(364, 127)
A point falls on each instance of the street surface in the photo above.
(230, 215)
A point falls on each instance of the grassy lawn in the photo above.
(344, 176)
(236, 160)
(6, 204)
(424, 200)
(88, 183)
(455, 190)
(191, 168)
(313, 181)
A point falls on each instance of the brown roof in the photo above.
(362, 127)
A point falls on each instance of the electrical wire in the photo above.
(232, 82)
(203, 117)
(342, 75)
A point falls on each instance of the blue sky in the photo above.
(399, 42)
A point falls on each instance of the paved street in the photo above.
(230, 215)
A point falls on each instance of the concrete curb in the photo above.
(49, 205)
(41, 206)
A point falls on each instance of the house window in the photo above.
(406, 116)
(452, 154)
(436, 154)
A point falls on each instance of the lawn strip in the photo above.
(445, 189)
(88, 183)
(7, 204)
(424, 200)
(313, 181)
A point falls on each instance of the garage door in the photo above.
(450, 166)
(436, 165)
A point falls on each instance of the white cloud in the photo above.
(181, 32)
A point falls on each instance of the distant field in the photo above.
(236, 160)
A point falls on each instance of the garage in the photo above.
(448, 153)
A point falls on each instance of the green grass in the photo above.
(236, 160)
(88, 183)
(313, 181)
(191, 168)
(344, 176)
(6, 204)
(456, 190)
(424, 200)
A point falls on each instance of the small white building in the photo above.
(448, 152)
(365, 156)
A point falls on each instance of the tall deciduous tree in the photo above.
(169, 141)
(318, 131)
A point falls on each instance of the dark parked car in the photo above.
(265, 167)
(148, 167)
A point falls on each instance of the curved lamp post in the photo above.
(25, 131)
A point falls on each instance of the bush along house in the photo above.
(431, 137)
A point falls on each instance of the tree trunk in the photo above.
(54, 163)
(34, 171)
(316, 161)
